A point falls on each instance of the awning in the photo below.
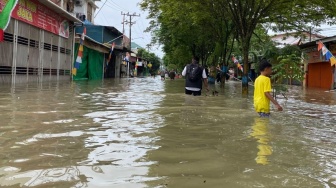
(87, 38)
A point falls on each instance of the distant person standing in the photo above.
(262, 91)
(219, 75)
(231, 73)
(212, 80)
(253, 73)
(153, 73)
(195, 77)
(162, 73)
(172, 75)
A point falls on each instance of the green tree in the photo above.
(281, 15)
(289, 68)
(196, 27)
(190, 28)
(150, 57)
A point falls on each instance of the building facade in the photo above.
(82, 9)
(39, 43)
(93, 59)
(319, 72)
(295, 39)
(108, 35)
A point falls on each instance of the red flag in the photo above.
(319, 46)
(234, 59)
(1, 35)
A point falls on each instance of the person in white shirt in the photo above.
(195, 77)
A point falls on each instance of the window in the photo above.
(89, 12)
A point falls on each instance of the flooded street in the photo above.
(144, 132)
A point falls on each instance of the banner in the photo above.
(78, 61)
(328, 55)
(235, 61)
(6, 9)
(38, 15)
(111, 51)
(2, 35)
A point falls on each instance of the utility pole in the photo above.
(130, 31)
(123, 23)
(123, 40)
(130, 26)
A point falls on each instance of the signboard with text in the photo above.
(38, 15)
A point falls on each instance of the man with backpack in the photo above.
(195, 77)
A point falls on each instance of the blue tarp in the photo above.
(101, 34)
(87, 22)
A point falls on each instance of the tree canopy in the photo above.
(213, 29)
(151, 58)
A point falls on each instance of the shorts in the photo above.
(264, 115)
(195, 93)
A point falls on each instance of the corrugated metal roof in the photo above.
(135, 45)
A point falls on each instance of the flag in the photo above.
(79, 54)
(6, 13)
(324, 50)
(234, 59)
(328, 55)
(240, 67)
(110, 55)
(5, 16)
(74, 71)
(333, 60)
(319, 46)
(83, 35)
(1, 35)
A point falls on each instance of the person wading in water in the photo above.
(195, 77)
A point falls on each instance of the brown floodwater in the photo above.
(144, 132)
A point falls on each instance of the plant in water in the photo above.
(288, 70)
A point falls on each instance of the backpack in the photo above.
(194, 72)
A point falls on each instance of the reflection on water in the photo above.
(260, 132)
(145, 132)
(12, 176)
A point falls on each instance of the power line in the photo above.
(139, 30)
(118, 6)
(143, 26)
(113, 7)
(105, 19)
(130, 25)
(100, 9)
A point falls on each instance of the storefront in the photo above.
(107, 35)
(38, 44)
(319, 72)
(93, 60)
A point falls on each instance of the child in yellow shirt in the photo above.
(262, 91)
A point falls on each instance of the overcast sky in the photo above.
(110, 14)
